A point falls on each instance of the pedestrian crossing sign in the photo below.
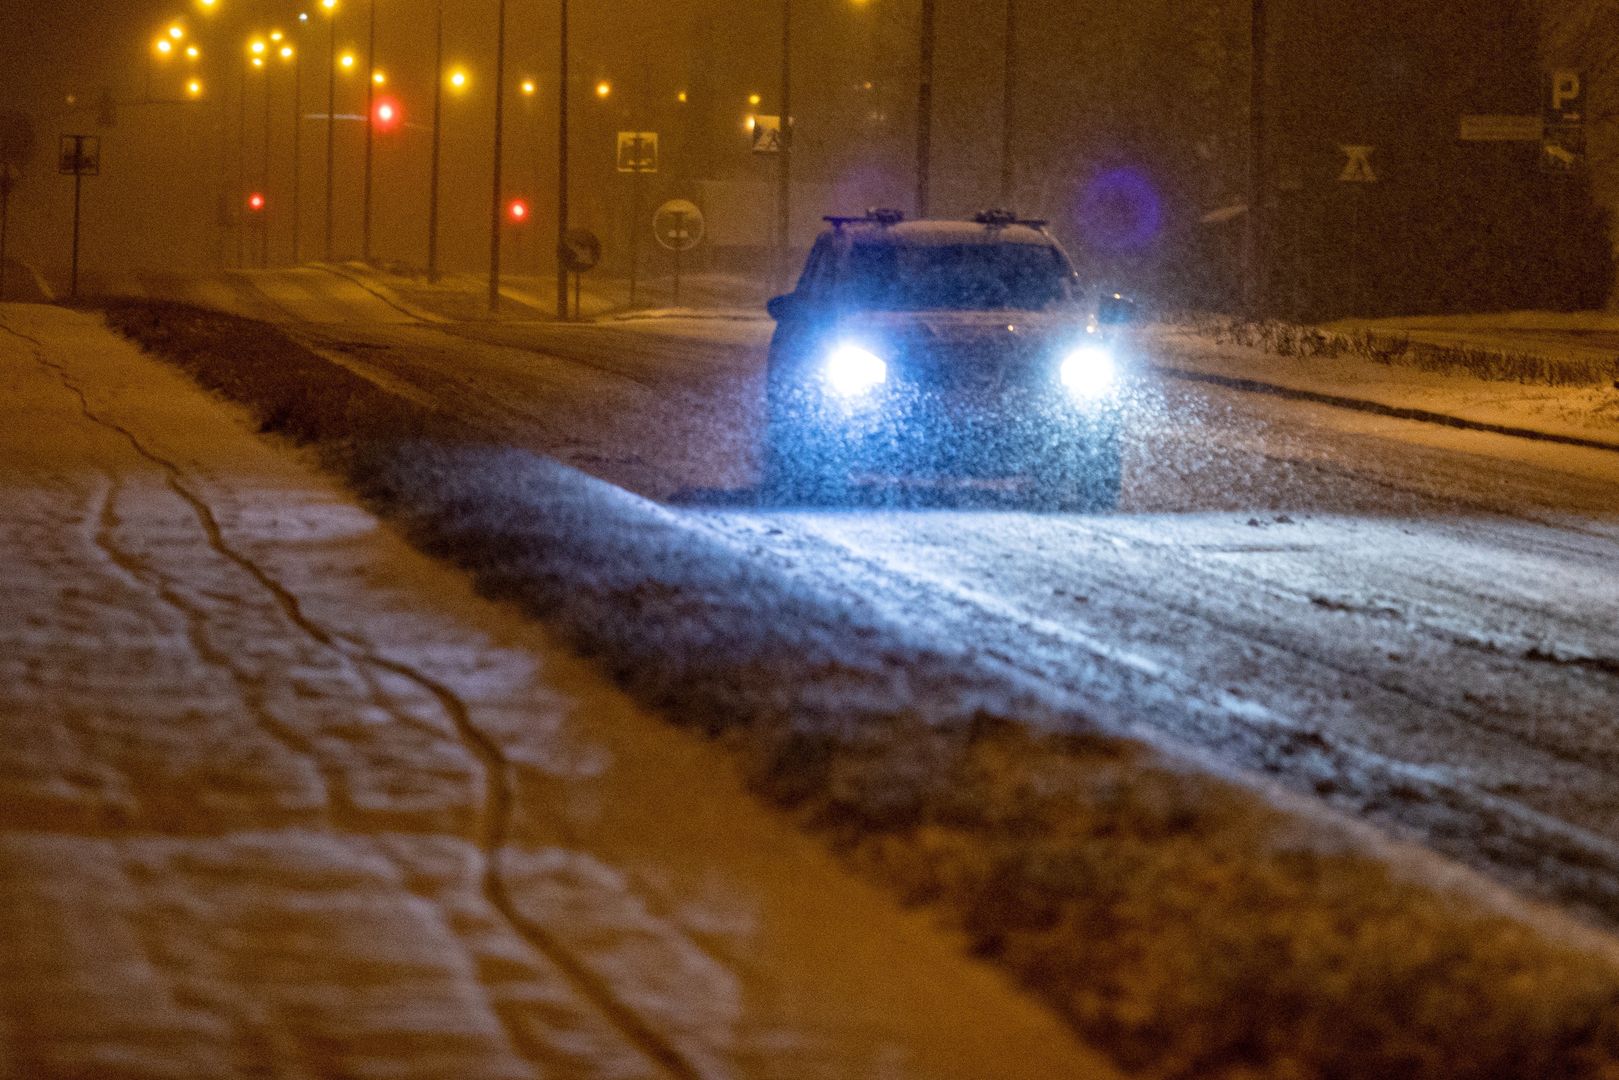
(1358, 168)
(766, 134)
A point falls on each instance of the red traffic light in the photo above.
(386, 114)
(517, 211)
(255, 202)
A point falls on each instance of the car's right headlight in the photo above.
(852, 370)
(1089, 372)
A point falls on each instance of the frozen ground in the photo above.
(280, 797)
(1406, 620)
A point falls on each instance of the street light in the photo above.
(784, 164)
(1008, 103)
(370, 127)
(438, 125)
(297, 146)
(500, 124)
(924, 107)
(330, 6)
(562, 163)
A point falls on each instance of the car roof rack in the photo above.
(879, 216)
(1000, 219)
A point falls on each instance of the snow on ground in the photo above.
(1577, 412)
(880, 672)
(279, 796)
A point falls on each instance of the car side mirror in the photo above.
(783, 307)
(1115, 310)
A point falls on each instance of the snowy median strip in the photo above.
(1190, 924)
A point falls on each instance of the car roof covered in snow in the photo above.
(942, 233)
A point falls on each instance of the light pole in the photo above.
(297, 145)
(784, 166)
(1008, 104)
(370, 126)
(500, 124)
(264, 165)
(924, 108)
(1254, 239)
(331, 116)
(562, 169)
(438, 125)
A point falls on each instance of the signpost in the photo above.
(9, 175)
(678, 226)
(79, 156)
(580, 250)
(638, 155)
(1358, 171)
(1563, 144)
(767, 134)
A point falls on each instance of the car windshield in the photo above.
(971, 277)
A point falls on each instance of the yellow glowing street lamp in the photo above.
(163, 46)
(346, 61)
(459, 79)
(194, 88)
(604, 89)
(754, 100)
(192, 52)
(177, 32)
(529, 87)
(379, 78)
(257, 47)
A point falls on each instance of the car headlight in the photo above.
(1089, 372)
(852, 370)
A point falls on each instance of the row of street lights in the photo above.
(261, 51)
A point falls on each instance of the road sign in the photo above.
(80, 155)
(1566, 102)
(1358, 168)
(1497, 128)
(581, 250)
(638, 151)
(1563, 149)
(767, 134)
(678, 225)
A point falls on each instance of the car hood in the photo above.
(971, 330)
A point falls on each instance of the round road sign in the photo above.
(678, 225)
(581, 250)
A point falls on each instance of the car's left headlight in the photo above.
(1089, 372)
(852, 370)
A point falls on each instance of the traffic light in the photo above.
(386, 114)
(517, 211)
(256, 202)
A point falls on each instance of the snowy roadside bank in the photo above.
(1576, 415)
(281, 797)
(1191, 924)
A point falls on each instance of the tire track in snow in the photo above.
(1534, 849)
(499, 772)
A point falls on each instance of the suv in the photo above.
(941, 354)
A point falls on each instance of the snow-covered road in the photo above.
(279, 796)
(1411, 621)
